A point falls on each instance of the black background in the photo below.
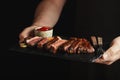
(16, 15)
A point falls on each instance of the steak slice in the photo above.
(74, 46)
(43, 41)
(85, 47)
(33, 41)
(66, 45)
(55, 46)
(48, 44)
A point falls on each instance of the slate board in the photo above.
(84, 57)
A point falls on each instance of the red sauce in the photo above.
(44, 28)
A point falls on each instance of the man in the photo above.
(89, 18)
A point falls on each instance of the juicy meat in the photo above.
(67, 44)
(54, 47)
(74, 46)
(53, 44)
(43, 41)
(48, 44)
(85, 47)
(33, 41)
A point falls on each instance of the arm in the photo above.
(47, 14)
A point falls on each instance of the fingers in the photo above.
(102, 61)
(25, 33)
(109, 57)
(112, 54)
(22, 37)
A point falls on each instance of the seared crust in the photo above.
(74, 46)
(33, 41)
(53, 44)
(85, 47)
(43, 41)
(66, 45)
(48, 44)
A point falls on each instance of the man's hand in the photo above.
(112, 54)
(26, 33)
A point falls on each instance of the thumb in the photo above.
(24, 34)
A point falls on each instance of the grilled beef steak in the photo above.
(53, 44)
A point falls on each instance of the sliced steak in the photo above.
(43, 41)
(74, 46)
(33, 41)
(85, 47)
(54, 47)
(48, 44)
(66, 45)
